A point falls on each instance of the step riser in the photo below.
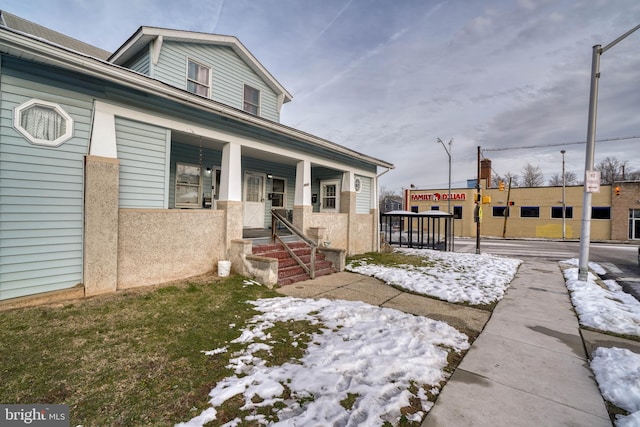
(289, 271)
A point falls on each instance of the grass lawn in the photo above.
(131, 358)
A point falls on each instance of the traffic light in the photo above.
(501, 186)
(617, 191)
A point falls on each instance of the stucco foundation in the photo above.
(160, 245)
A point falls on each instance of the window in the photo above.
(43, 123)
(188, 186)
(600, 212)
(278, 197)
(634, 224)
(556, 212)
(435, 208)
(414, 209)
(251, 100)
(529, 212)
(457, 212)
(329, 196)
(198, 78)
(357, 183)
(499, 210)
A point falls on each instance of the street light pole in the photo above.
(564, 202)
(448, 154)
(585, 234)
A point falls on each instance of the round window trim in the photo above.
(17, 123)
(358, 185)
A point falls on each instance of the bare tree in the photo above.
(532, 176)
(495, 180)
(515, 179)
(610, 170)
(570, 178)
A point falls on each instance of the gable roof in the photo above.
(22, 25)
(145, 35)
(29, 47)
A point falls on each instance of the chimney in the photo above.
(485, 171)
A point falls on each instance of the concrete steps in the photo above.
(289, 271)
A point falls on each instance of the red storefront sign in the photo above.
(437, 197)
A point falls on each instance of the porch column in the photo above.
(302, 202)
(231, 192)
(348, 206)
(231, 173)
(101, 225)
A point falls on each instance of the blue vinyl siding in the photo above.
(41, 190)
(363, 198)
(141, 63)
(229, 74)
(142, 151)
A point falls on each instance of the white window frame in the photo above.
(17, 123)
(284, 192)
(197, 82)
(197, 187)
(357, 184)
(245, 102)
(323, 195)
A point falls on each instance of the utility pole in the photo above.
(585, 234)
(506, 210)
(448, 154)
(478, 215)
(564, 202)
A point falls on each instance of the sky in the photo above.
(388, 78)
(360, 346)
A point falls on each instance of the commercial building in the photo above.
(536, 212)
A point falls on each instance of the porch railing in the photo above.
(279, 216)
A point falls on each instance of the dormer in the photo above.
(213, 66)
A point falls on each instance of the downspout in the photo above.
(376, 221)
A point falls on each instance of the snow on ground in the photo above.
(373, 353)
(608, 308)
(377, 354)
(617, 371)
(449, 276)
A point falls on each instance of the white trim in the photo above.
(284, 191)
(198, 204)
(244, 99)
(155, 52)
(209, 133)
(325, 183)
(357, 184)
(197, 82)
(302, 196)
(17, 115)
(103, 133)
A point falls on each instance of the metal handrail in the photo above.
(278, 217)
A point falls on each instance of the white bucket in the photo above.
(224, 268)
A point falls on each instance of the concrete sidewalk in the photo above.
(528, 367)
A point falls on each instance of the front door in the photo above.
(253, 202)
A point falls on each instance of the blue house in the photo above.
(156, 161)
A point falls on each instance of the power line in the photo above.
(560, 144)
